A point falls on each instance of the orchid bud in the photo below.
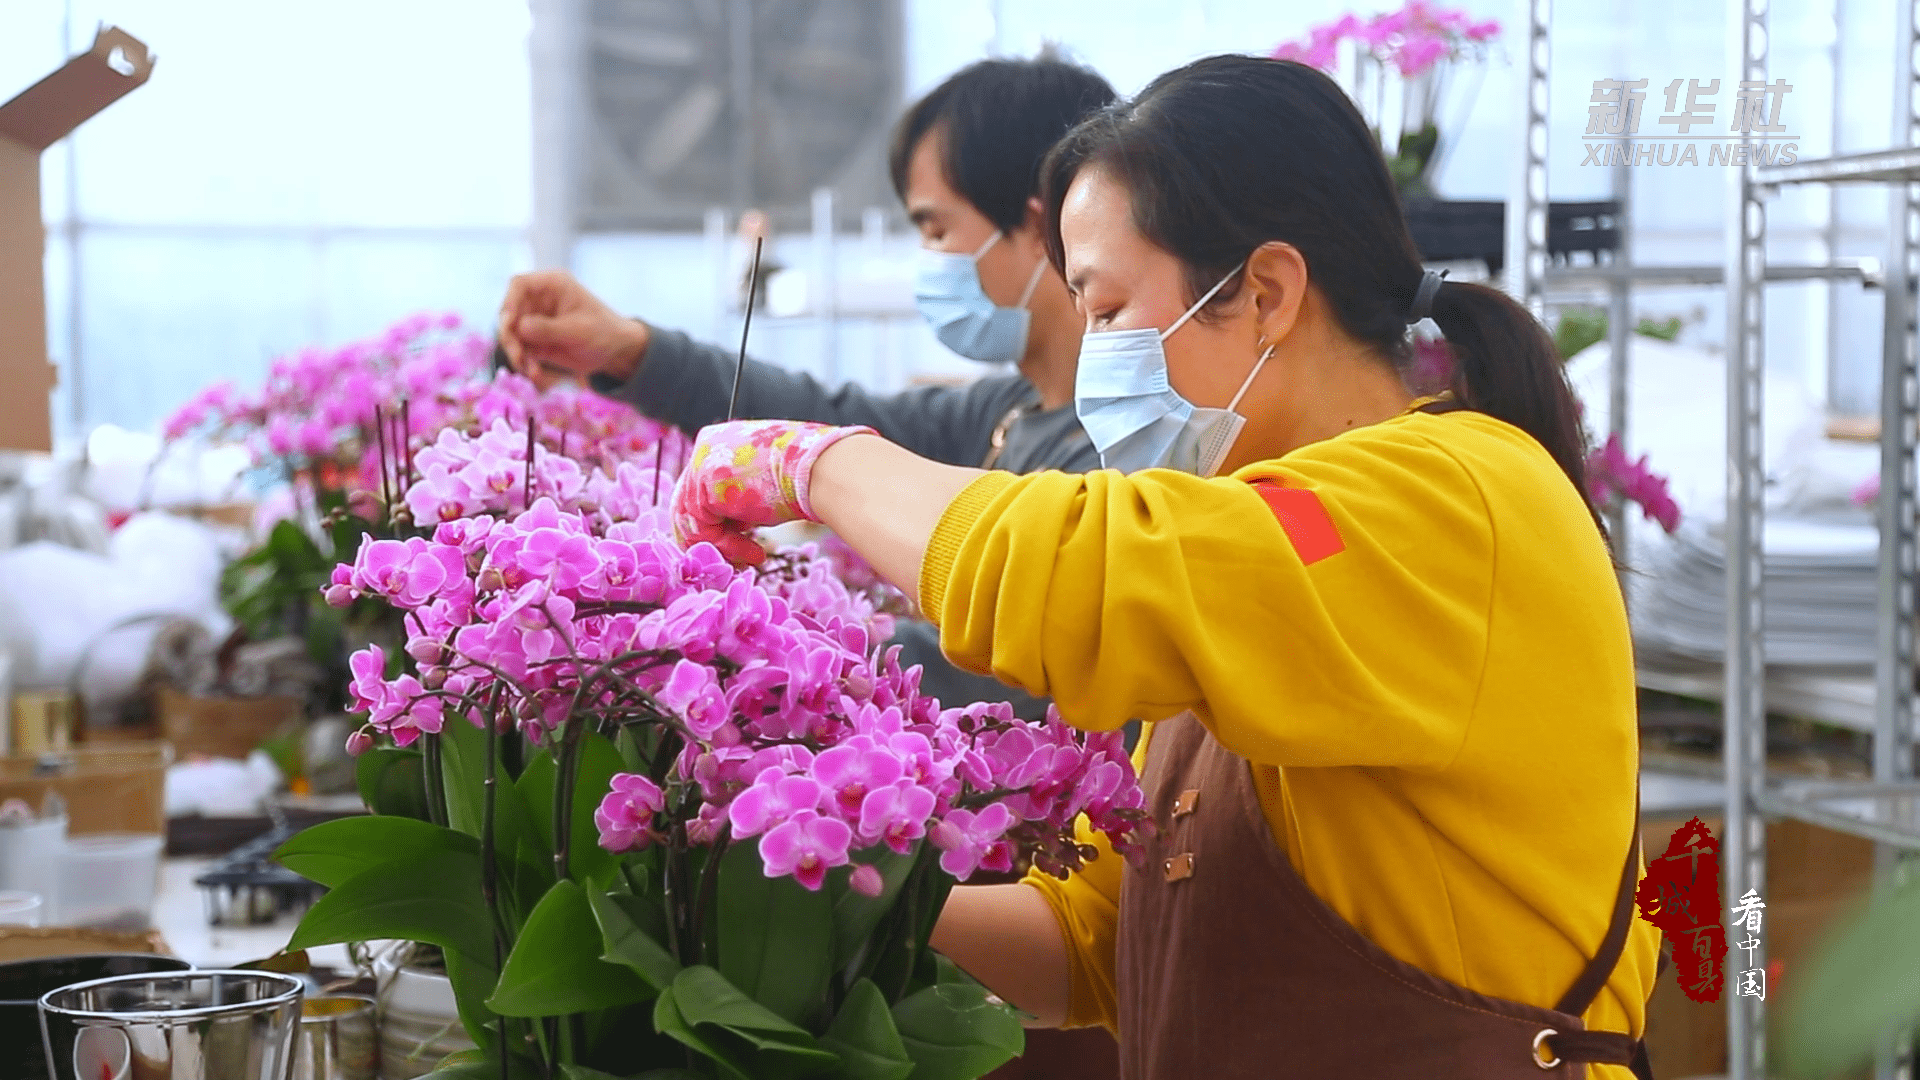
(433, 678)
(859, 684)
(866, 881)
(338, 595)
(947, 836)
(359, 743)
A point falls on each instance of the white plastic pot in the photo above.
(419, 1025)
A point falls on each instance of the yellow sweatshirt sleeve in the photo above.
(1087, 905)
(1144, 595)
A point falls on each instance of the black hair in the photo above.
(1231, 152)
(998, 119)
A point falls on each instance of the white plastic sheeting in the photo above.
(59, 604)
(1820, 549)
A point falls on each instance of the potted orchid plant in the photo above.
(665, 817)
(1405, 58)
(331, 453)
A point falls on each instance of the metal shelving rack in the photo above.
(1885, 810)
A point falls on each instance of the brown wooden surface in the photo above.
(119, 788)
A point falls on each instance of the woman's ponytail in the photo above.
(1505, 365)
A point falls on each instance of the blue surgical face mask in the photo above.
(1132, 413)
(947, 288)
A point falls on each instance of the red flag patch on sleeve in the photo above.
(1304, 519)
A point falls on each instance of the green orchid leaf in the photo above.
(667, 1020)
(864, 1036)
(634, 749)
(1858, 984)
(333, 852)
(481, 1065)
(957, 1032)
(624, 920)
(704, 996)
(518, 840)
(555, 967)
(598, 761)
(856, 917)
(392, 782)
(581, 1072)
(466, 1065)
(292, 549)
(738, 1032)
(431, 896)
(473, 980)
(776, 936)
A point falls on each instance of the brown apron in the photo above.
(1229, 966)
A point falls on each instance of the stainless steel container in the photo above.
(338, 1039)
(197, 1025)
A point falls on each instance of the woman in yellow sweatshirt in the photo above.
(1393, 752)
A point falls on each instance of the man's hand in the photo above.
(550, 323)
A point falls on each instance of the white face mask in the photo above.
(1132, 413)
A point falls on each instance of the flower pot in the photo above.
(419, 1025)
(338, 1039)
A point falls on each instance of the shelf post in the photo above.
(1744, 743)
(1619, 351)
(1899, 413)
(1526, 226)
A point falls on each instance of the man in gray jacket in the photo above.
(965, 161)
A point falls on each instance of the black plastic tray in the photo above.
(1448, 229)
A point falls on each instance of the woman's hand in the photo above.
(745, 474)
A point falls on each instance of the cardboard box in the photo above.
(40, 116)
(112, 789)
(35, 943)
(1814, 876)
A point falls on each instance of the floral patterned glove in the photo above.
(745, 474)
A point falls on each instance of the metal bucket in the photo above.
(200, 1025)
(337, 1039)
(24, 981)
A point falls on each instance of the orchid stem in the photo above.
(435, 781)
(659, 448)
(380, 443)
(709, 879)
(569, 767)
(489, 872)
(670, 889)
(531, 440)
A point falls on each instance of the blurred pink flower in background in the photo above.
(1611, 476)
(1413, 40)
